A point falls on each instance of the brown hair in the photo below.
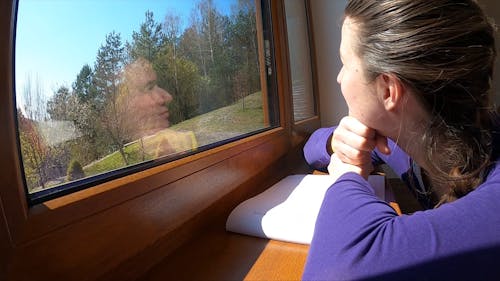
(445, 51)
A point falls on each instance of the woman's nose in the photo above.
(165, 96)
(339, 76)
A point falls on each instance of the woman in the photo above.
(144, 107)
(143, 103)
(416, 77)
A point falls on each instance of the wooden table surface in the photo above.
(221, 255)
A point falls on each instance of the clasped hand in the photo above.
(353, 143)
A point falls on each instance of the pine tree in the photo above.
(148, 41)
(108, 68)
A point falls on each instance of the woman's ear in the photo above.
(390, 90)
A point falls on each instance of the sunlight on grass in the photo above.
(240, 118)
(243, 117)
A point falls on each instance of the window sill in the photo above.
(220, 255)
(131, 228)
(62, 211)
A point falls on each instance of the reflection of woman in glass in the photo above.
(146, 103)
(144, 106)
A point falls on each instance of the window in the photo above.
(106, 88)
(155, 210)
(300, 59)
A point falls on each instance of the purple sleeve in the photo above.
(358, 236)
(315, 151)
(318, 158)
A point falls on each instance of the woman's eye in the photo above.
(149, 87)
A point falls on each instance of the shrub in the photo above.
(75, 171)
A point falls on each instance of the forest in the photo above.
(210, 63)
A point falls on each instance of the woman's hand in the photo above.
(353, 143)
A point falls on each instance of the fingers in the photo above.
(381, 144)
(354, 134)
(353, 125)
(351, 155)
(358, 136)
(343, 135)
(353, 143)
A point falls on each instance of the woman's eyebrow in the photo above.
(151, 83)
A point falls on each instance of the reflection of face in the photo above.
(357, 91)
(141, 79)
(148, 106)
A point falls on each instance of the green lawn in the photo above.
(244, 116)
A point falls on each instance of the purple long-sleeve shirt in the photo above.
(358, 236)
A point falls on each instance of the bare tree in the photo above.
(33, 147)
(172, 30)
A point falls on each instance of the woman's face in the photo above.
(154, 100)
(359, 93)
(147, 111)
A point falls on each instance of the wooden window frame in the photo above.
(308, 125)
(119, 229)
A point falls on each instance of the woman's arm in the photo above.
(318, 157)
(358, 236)
(315, 149)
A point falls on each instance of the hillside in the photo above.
(242, 117)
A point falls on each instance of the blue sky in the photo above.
(55, 38)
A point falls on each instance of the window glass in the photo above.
(108, 87)
(300, 59)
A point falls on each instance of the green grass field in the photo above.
(243, 117)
